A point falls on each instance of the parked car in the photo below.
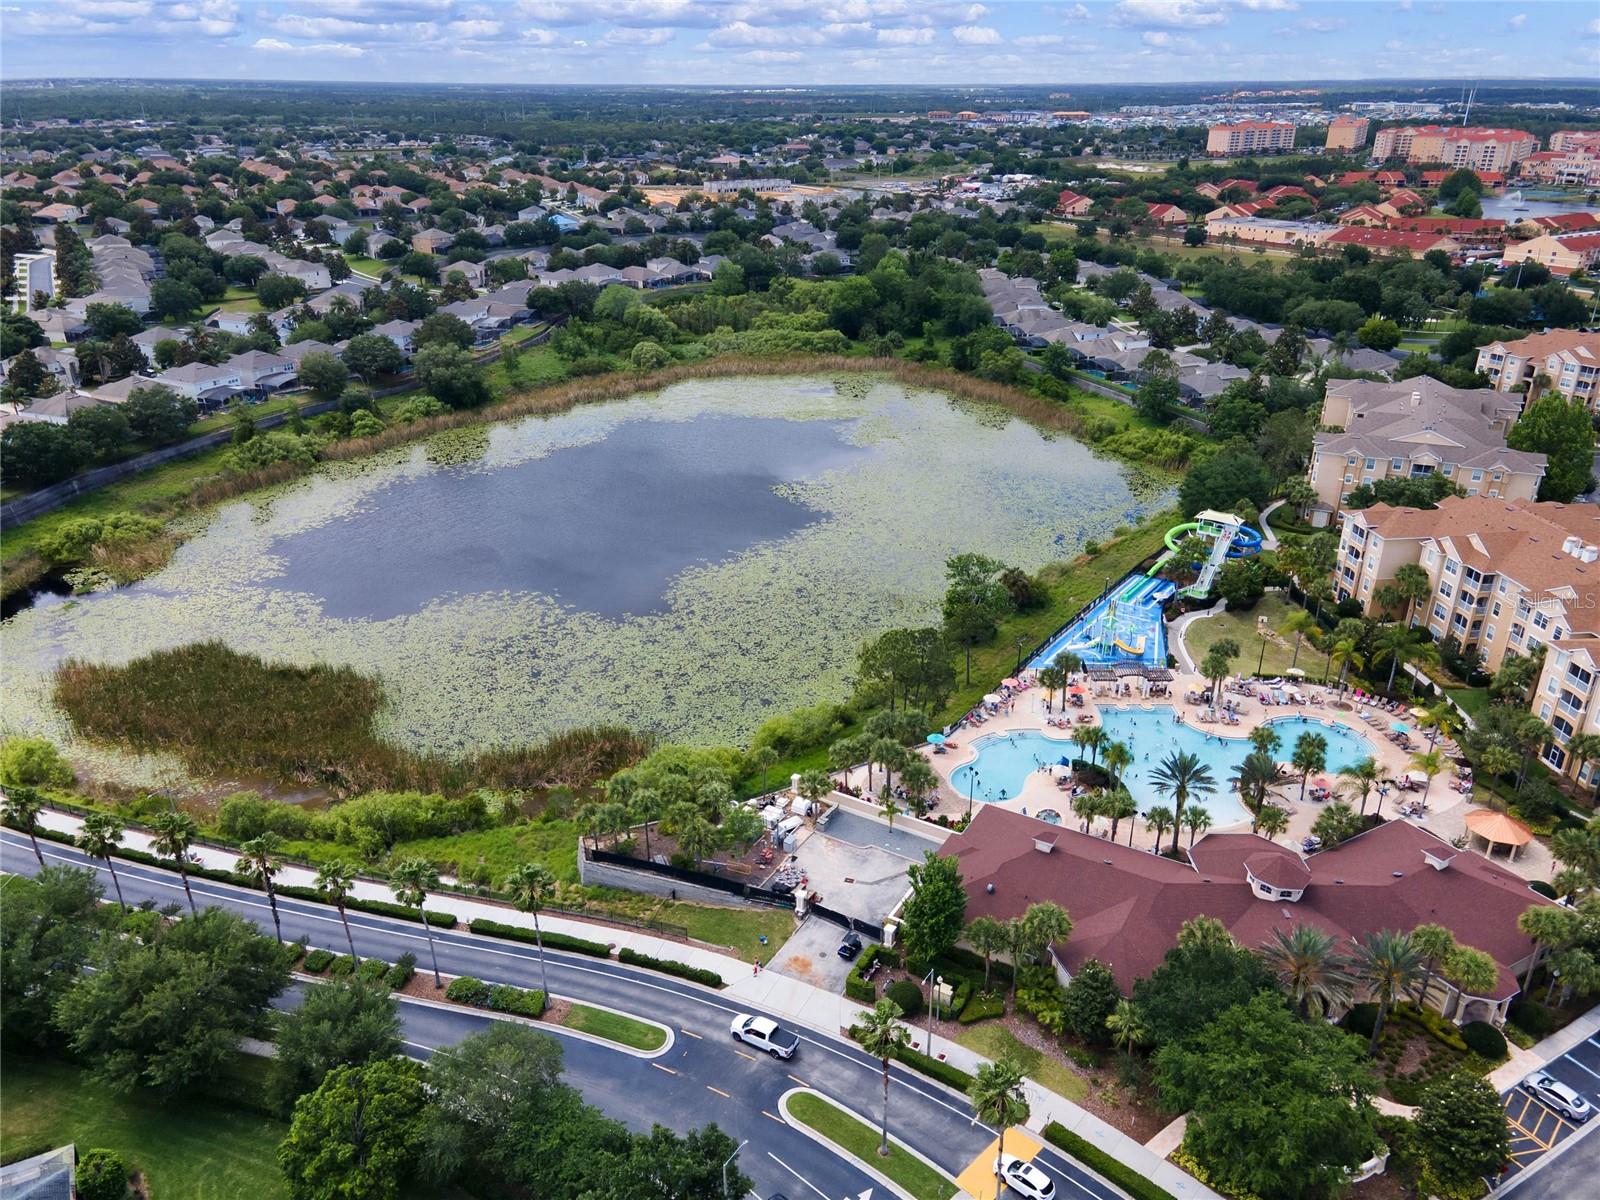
(765, 1034)
(1552, 1093)
(851, 946)
(1026, 1179)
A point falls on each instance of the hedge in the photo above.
(1544, 889)
(983, 1006)
(400, 974)
(862, 991)
(552, 941)
(467, 990)
(342, 966)
(907, 995)
(926, 1064)
(1098, 1161)
(1532, 1017)
(378, 908)
(316, 961)
(668, 966)
(505, 998)
(373, 969)
(1484, 1039)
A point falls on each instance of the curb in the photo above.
(549, 1027)
(849, 1156)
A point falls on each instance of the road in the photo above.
(704, 1076)
(1538, 1130)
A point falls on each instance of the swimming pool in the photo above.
(1006, 761)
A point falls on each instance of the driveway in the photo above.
(812, 955)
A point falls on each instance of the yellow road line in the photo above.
(770, 1117)
(659, 1067)
(800, 1081)
(742, 1054)
(690, 1033)
(719, 1092)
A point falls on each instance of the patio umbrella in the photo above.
(1296, 671)
(1065, 761)
(1399, 727)
(936, 739)
(1077, 689)
(992, 698)
(1011, 682)
(1418, 777)
(1321, 781)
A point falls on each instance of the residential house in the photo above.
(475, 273)
(431, 241)
(1562, 253)
(1392, 241)
(401, 333)
(1070, 204)
(1371, 431)
(210, 386)
(1567, 361)
(263, 371)
(1167, 214)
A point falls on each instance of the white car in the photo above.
(765, 1034)
(1552, 1093)
(1025, 1179)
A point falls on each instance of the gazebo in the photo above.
(1497, 829)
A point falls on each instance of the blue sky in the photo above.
(799, 41)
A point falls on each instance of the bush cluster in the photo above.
(552, 941)
(518, 1001)
(906, 994)
(669, 966)
(1103, 1164)
(926, 1064)
(983, 1006)
(467, 990)
(316, 961)
(400, 974)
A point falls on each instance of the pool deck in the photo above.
(1447, 807)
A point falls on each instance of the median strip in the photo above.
(609, 1025)
(851, 1137)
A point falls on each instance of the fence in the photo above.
(733, 887)
(875, 932)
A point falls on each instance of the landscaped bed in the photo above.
(612, 1026)
(861, 1140)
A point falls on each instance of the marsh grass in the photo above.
(223, 712)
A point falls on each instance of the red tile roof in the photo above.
(1127, 905)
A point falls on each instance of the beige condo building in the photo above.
(1373, 431)
(1505, 576)
(1566, 361)
(1347, 133)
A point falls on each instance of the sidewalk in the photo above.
(791, 998)
(1175, 633)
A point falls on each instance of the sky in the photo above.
(797, 42)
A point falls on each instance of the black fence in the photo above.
(734, 887)
(875, 932)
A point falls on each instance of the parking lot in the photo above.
(1536, 1129)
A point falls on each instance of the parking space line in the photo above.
(798, 1176)
(719, 1092)
(1579, 1065)
(800, 1081)
(771, 1117)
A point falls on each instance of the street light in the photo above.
(1020, 642)
(1262, 634)
(932, 1000)
(972, 786)
(730, 1159)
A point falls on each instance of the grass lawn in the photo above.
(224, 419)
(190, 1149)
(1241, 627)
(994, 1041)
(1472, 701)
(553, 843)
(739, 929)
(614, 1027)
(368, 266)
(535, 367)
(906, 1169)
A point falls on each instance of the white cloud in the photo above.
(637, 37)
(473, 31)
(336, 49)
(905, 37)
(1168, 14)
(976, 35)
(1518, 21)
(1075, 12)
(1039, 39)
(772, 56)
(1320, 24)
(1160, 39)
(539, 37)
(112, 9)
(1269, 5)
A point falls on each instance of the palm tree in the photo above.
(1442, 722)
(1118, 806)
(1125, 1026)
(646, 810)
(1470, 971)
(1094, 737)
(998, 1100)
(1196, 820)
(1388, 963)
(763, 759)
(887, 805)
(1549, 927)
(531, 888)
(260, 860)
(889, 754)
(335, 880)
(1266, 740)
(920, 781)
(1160, 819)
(1430, 764)
(411, 880)
(1052, 679)
(1310, 756)
(1271, 821)
(1086, 806)
(1082, 737)
(1497, 760)
(1401, 644)
(1584, 747)
(1434, 943)
(1307, 963)
(1299, 623)
(1254, 779)
(1181, 775)
(986, 936)
(100, 835)
(1344, 654)
(1358, 779)
(1411, 584)
(1044, 924)
(175, 833)
(1118, 759)
(20, 808)
(882, 1036)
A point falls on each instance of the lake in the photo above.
(691, 561)
(1533, 204)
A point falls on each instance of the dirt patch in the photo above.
(556, 1011)
(422, 987)
(1412, 1055)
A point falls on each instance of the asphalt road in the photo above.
(704, 1076)
(1569, 1175)
(1538, 1130)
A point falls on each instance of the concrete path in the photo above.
(1269, 538)
(791, 998)
(1177, 630)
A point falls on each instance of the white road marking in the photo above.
(1579, 1065)
(798, 1176)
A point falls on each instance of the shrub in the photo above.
(341, 967)
(926, 1064)
(468, 990)
(1484, 1039)
(983, 1006)
(372, 970)
(316, 961)
(507, 999)
(1097, 1160)
(1435, 1025)
(907, 995)
(101, 1175)
(1532, 1016)
(862, 991)
(1544, 889)
(33, 762)
(382, 908)
(959, 995)
(669, 966)
(552, 941)
(246, 815)
(1361, 1019)
(400, 974)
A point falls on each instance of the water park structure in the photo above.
(1124, 626)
